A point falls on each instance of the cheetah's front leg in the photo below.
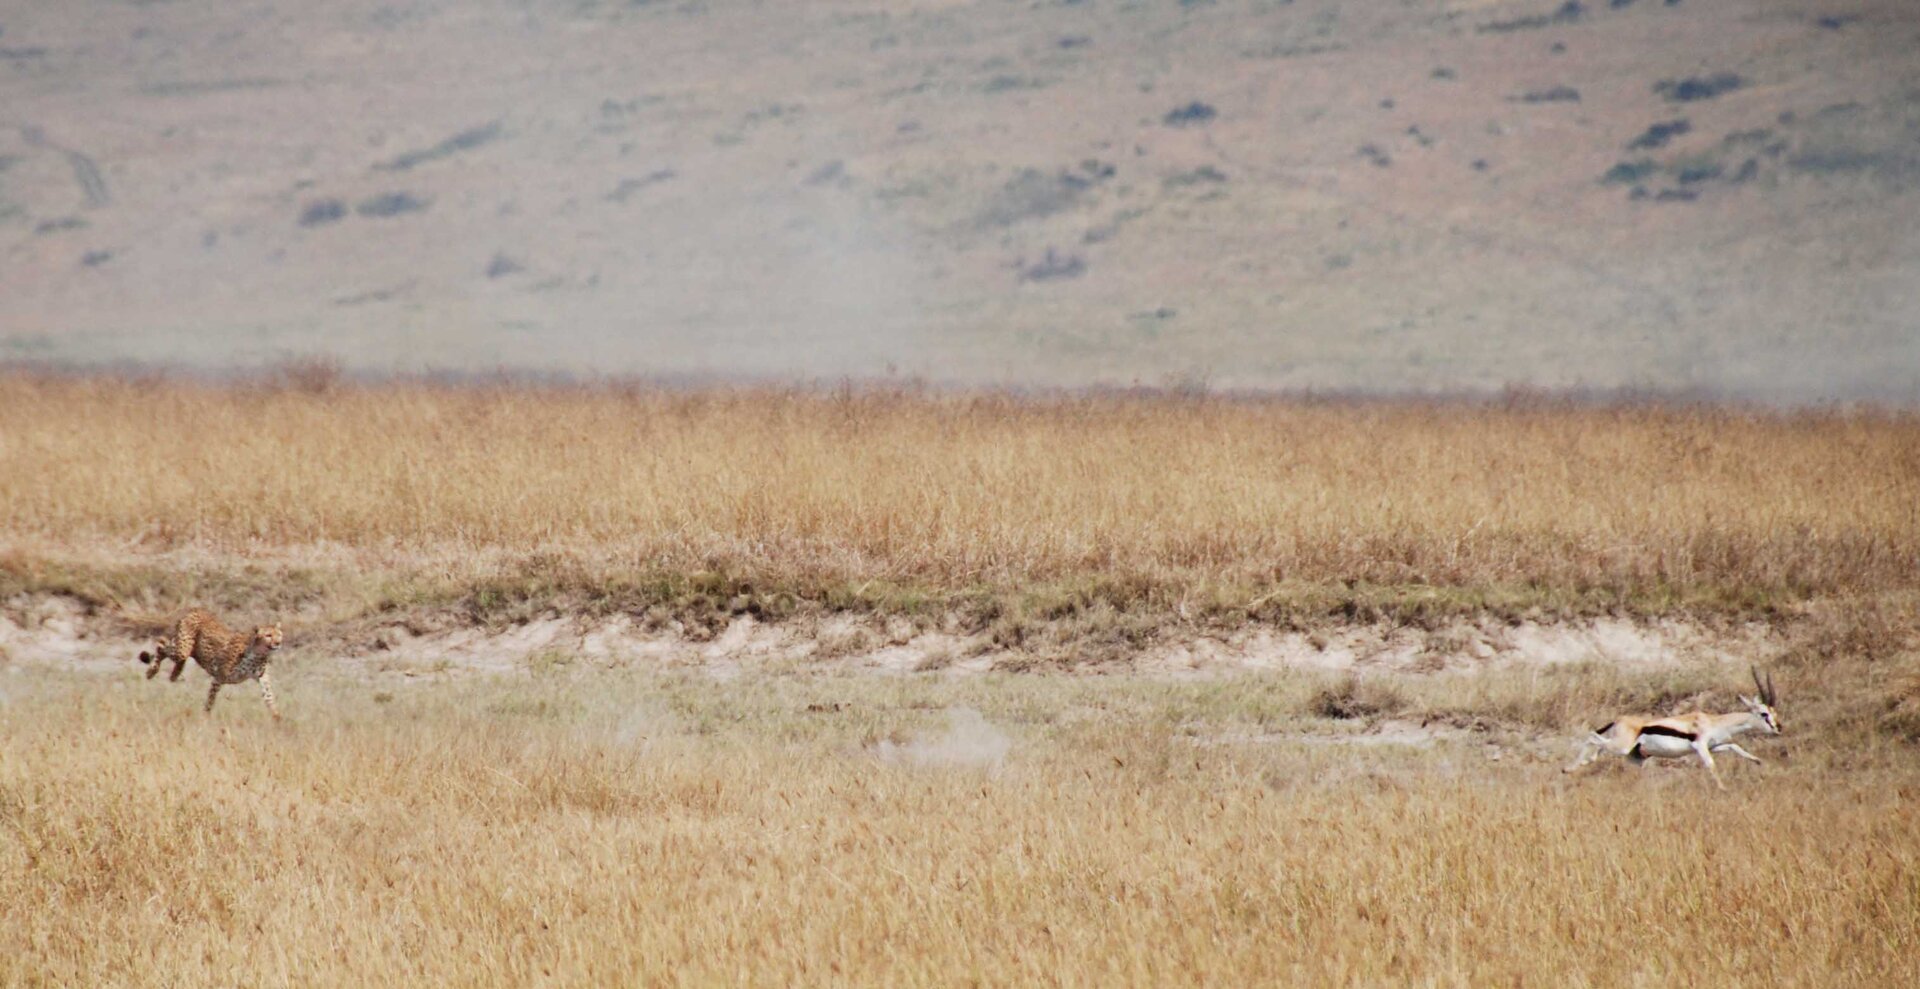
(212, 692)
(266, 694)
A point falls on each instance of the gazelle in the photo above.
(1696, 732)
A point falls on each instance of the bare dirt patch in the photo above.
(56, 632)
(1466, 645)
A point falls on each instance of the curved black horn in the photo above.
(1771, 696)
(1757, 685)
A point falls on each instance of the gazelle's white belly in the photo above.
(1664, 746)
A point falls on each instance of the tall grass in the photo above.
(964, 490)
(696, 833)
(557, 827)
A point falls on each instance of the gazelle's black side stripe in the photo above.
(1670, 732)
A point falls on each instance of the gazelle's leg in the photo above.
(1737, 750)
(212, 692)
(1589, 751)
(1706, 759)
(266, 694)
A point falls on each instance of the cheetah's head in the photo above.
(266, 639)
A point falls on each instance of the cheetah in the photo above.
(226, 655)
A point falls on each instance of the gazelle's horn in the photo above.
(1772, 698)
(1757, 685)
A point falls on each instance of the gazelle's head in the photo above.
(1761, 705)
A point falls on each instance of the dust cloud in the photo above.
(969, 742)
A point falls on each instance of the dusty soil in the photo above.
(52, 632)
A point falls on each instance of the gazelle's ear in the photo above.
(1749, 701)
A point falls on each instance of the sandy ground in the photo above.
(52, 637)
(54, 633)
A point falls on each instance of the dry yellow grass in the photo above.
(554, 826)
(683, 832)
(1162, 497)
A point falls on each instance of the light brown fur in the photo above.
(1703, 734)
(227, 656)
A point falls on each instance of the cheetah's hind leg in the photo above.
(184, 643)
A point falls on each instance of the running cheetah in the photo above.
(226, 655)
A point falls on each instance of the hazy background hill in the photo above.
(1380, 195)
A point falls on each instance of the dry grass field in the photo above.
(640, 830)
(590, 819)
(858, 495)
(1168, 594)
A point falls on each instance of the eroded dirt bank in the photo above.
(56, 632)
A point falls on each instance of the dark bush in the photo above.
(1032, 194)
(1567, 13)
(1695, 174)
(628, 187)
(1758, 135)
(310, 375)
(1204, 175)
(501, 266)
(1659, 134)
(61, 224)
(1354, 698)
(1698, 87)
(1191, 114)
(322, 211)
(1556, 94)
(391, 204)
(466, 140)
(1053, 266)
(1629, 172)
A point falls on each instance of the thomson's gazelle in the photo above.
(1695, 732)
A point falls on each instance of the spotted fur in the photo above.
(227, 656)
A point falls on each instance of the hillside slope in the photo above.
(1712, 195)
